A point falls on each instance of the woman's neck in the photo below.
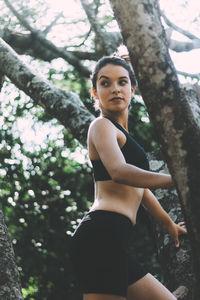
(122, 119)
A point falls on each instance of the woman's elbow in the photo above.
(117, 176)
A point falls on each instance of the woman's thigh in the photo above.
(102, 297)
(149, 288)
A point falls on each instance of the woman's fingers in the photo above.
(177, 243)
(181, 223)
(183, 228)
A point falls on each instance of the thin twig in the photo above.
(48, 28)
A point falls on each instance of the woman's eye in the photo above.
(104, 83)
(123, 82)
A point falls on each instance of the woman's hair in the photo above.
(113, 60)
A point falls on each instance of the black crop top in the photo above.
(133, 153)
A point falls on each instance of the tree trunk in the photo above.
(176, 263)
(10, 288)
(169, 107)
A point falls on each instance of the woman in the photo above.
(122, 183)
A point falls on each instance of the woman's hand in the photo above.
(177, 229)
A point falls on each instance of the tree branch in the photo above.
(83, 42)
(179, 46)
(49, 45)
(177, 28)
(48, 28)
(106, 42)
(92, 17)
(193, 76)
(64, 106)
(25, 44)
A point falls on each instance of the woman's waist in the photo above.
(112, 190)
(121, 206)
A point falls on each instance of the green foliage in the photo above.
(44, 193)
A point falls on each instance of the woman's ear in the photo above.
(94, 93)
(133, 88)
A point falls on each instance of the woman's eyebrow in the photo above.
(104, 76)
(123, 77)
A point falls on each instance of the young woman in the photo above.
(122, 183)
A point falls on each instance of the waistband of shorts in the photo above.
(118, 217)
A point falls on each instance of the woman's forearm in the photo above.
(152, 205)
(134, 176)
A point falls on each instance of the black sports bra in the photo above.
(133, 153)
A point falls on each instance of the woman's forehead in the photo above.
(112, 71)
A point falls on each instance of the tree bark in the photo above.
(2, 77)
(174, 120)
(176, 264)
(10, 288)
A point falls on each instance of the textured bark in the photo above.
(64, 106)
(175, 263)
(169, 106)
(1, 80)
(10, 288)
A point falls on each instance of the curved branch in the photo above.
(49, 45)
(178, 46)
(177, 28)
(64, 106)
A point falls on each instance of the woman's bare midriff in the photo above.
(119, 198)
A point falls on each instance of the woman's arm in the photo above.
(152, 205)
(103, 136)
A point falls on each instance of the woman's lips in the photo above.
(116, 98)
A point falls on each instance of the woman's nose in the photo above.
(115, 88)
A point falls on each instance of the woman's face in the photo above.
(113, 88)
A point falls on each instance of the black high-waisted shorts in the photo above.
(99, 254)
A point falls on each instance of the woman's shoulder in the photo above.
(101, 123)
(101, 128)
